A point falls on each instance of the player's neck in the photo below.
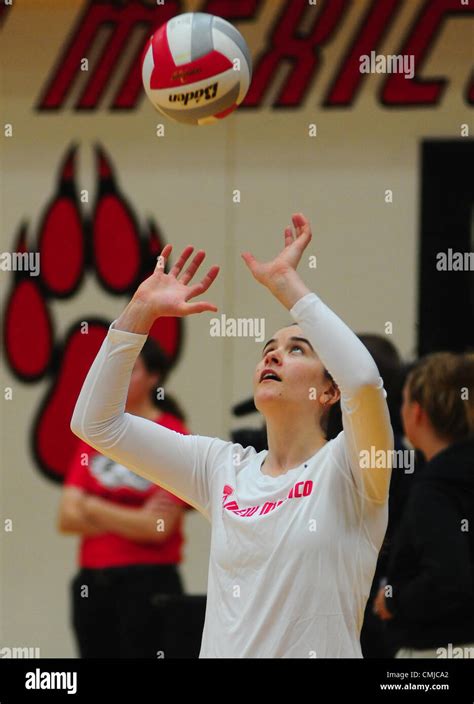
(290, 444)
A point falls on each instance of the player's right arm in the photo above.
(179, 463)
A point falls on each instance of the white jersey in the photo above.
(292, 557)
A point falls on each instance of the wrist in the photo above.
(138, 317)
(288, 288)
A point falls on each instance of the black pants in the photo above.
(116, 615)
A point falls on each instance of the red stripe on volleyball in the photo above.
(226, 112)
(166, 74)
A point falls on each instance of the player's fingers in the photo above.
(200, 307)
(187, 275)
(301, 224)
(161, 259)
(288, 236)
(250, 260)
(185, 254)
(204, 284)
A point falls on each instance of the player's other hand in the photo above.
(272, 273)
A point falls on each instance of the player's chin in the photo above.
(267, 393)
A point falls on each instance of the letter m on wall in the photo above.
(112, 38)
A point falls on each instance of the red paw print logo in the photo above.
(77, 249)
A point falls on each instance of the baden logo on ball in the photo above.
(196, 68)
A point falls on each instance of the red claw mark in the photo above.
(154, 246)
(27, 325)
(53, 441)
(116, 236)
(167, 332)
(61, 240)
(122, 257)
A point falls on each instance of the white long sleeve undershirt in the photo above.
(185, 465)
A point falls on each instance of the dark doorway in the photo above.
(446, 298)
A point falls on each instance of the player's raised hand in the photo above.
(171, 294)
(167, 295)
(272, 272)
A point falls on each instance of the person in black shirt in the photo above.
(428, 601)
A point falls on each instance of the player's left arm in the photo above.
(368, 439)
(366, 419)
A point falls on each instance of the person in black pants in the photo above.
(428, 602)
(131, 537)
(121, 617)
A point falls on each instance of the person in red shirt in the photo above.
(131, 534)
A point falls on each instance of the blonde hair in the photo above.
(443, 384)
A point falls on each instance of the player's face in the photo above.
(141, 383)
(300, 372)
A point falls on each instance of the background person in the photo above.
(131, 533)
(431, 569)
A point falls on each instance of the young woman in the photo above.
(296, 528)
(131, 533)
(430, 609)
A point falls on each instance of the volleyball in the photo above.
(196, 68)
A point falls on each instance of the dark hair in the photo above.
(331, 420)
(156, 361)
